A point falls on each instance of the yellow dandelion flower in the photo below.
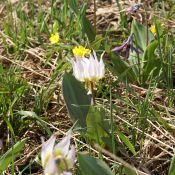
(153, 29)
(54, 38)
(80, 51)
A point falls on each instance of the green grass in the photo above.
(133, 118)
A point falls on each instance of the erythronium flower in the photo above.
(127, 45)
(54, 39)
(134, 8)
(153, 29)
(81, 51)
(58, 159)
(88, 70)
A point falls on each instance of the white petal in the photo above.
(63, 145)
(71, 157)
(92, 67)
(51, 167)
(85, 72)
(80, 69)
(94, 54)
(102, 68)
(47, 149)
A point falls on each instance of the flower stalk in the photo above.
(93, 93)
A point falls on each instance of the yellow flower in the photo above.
(80, 51)
(153, 29)
(54, 38)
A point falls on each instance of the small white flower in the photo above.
(58, 159)
(88, 69)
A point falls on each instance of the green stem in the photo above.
(112, 123)
(112, 128)
(147, 27)
(122, 19)
(93, 93)
(139, 64)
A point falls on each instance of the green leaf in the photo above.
(97, 42)
(9, 125)
(55, 26)
(122, 69)
(74, 6)
(11, 154)
(151, 61)
(95, 125)
(150, 49)
(90, 165)
(172, 167)
(76, 99)
(86, 25)
(142, 38)
(159, 29)
(1, 69)
(160, 120)
(38, 119)
(128, 171)
(145, 62)
(88, 29)
(140, 34)
(126, 142)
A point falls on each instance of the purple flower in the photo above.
(127, 46)
(134, 8)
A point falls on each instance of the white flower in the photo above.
(57, 159)
(88, 69)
